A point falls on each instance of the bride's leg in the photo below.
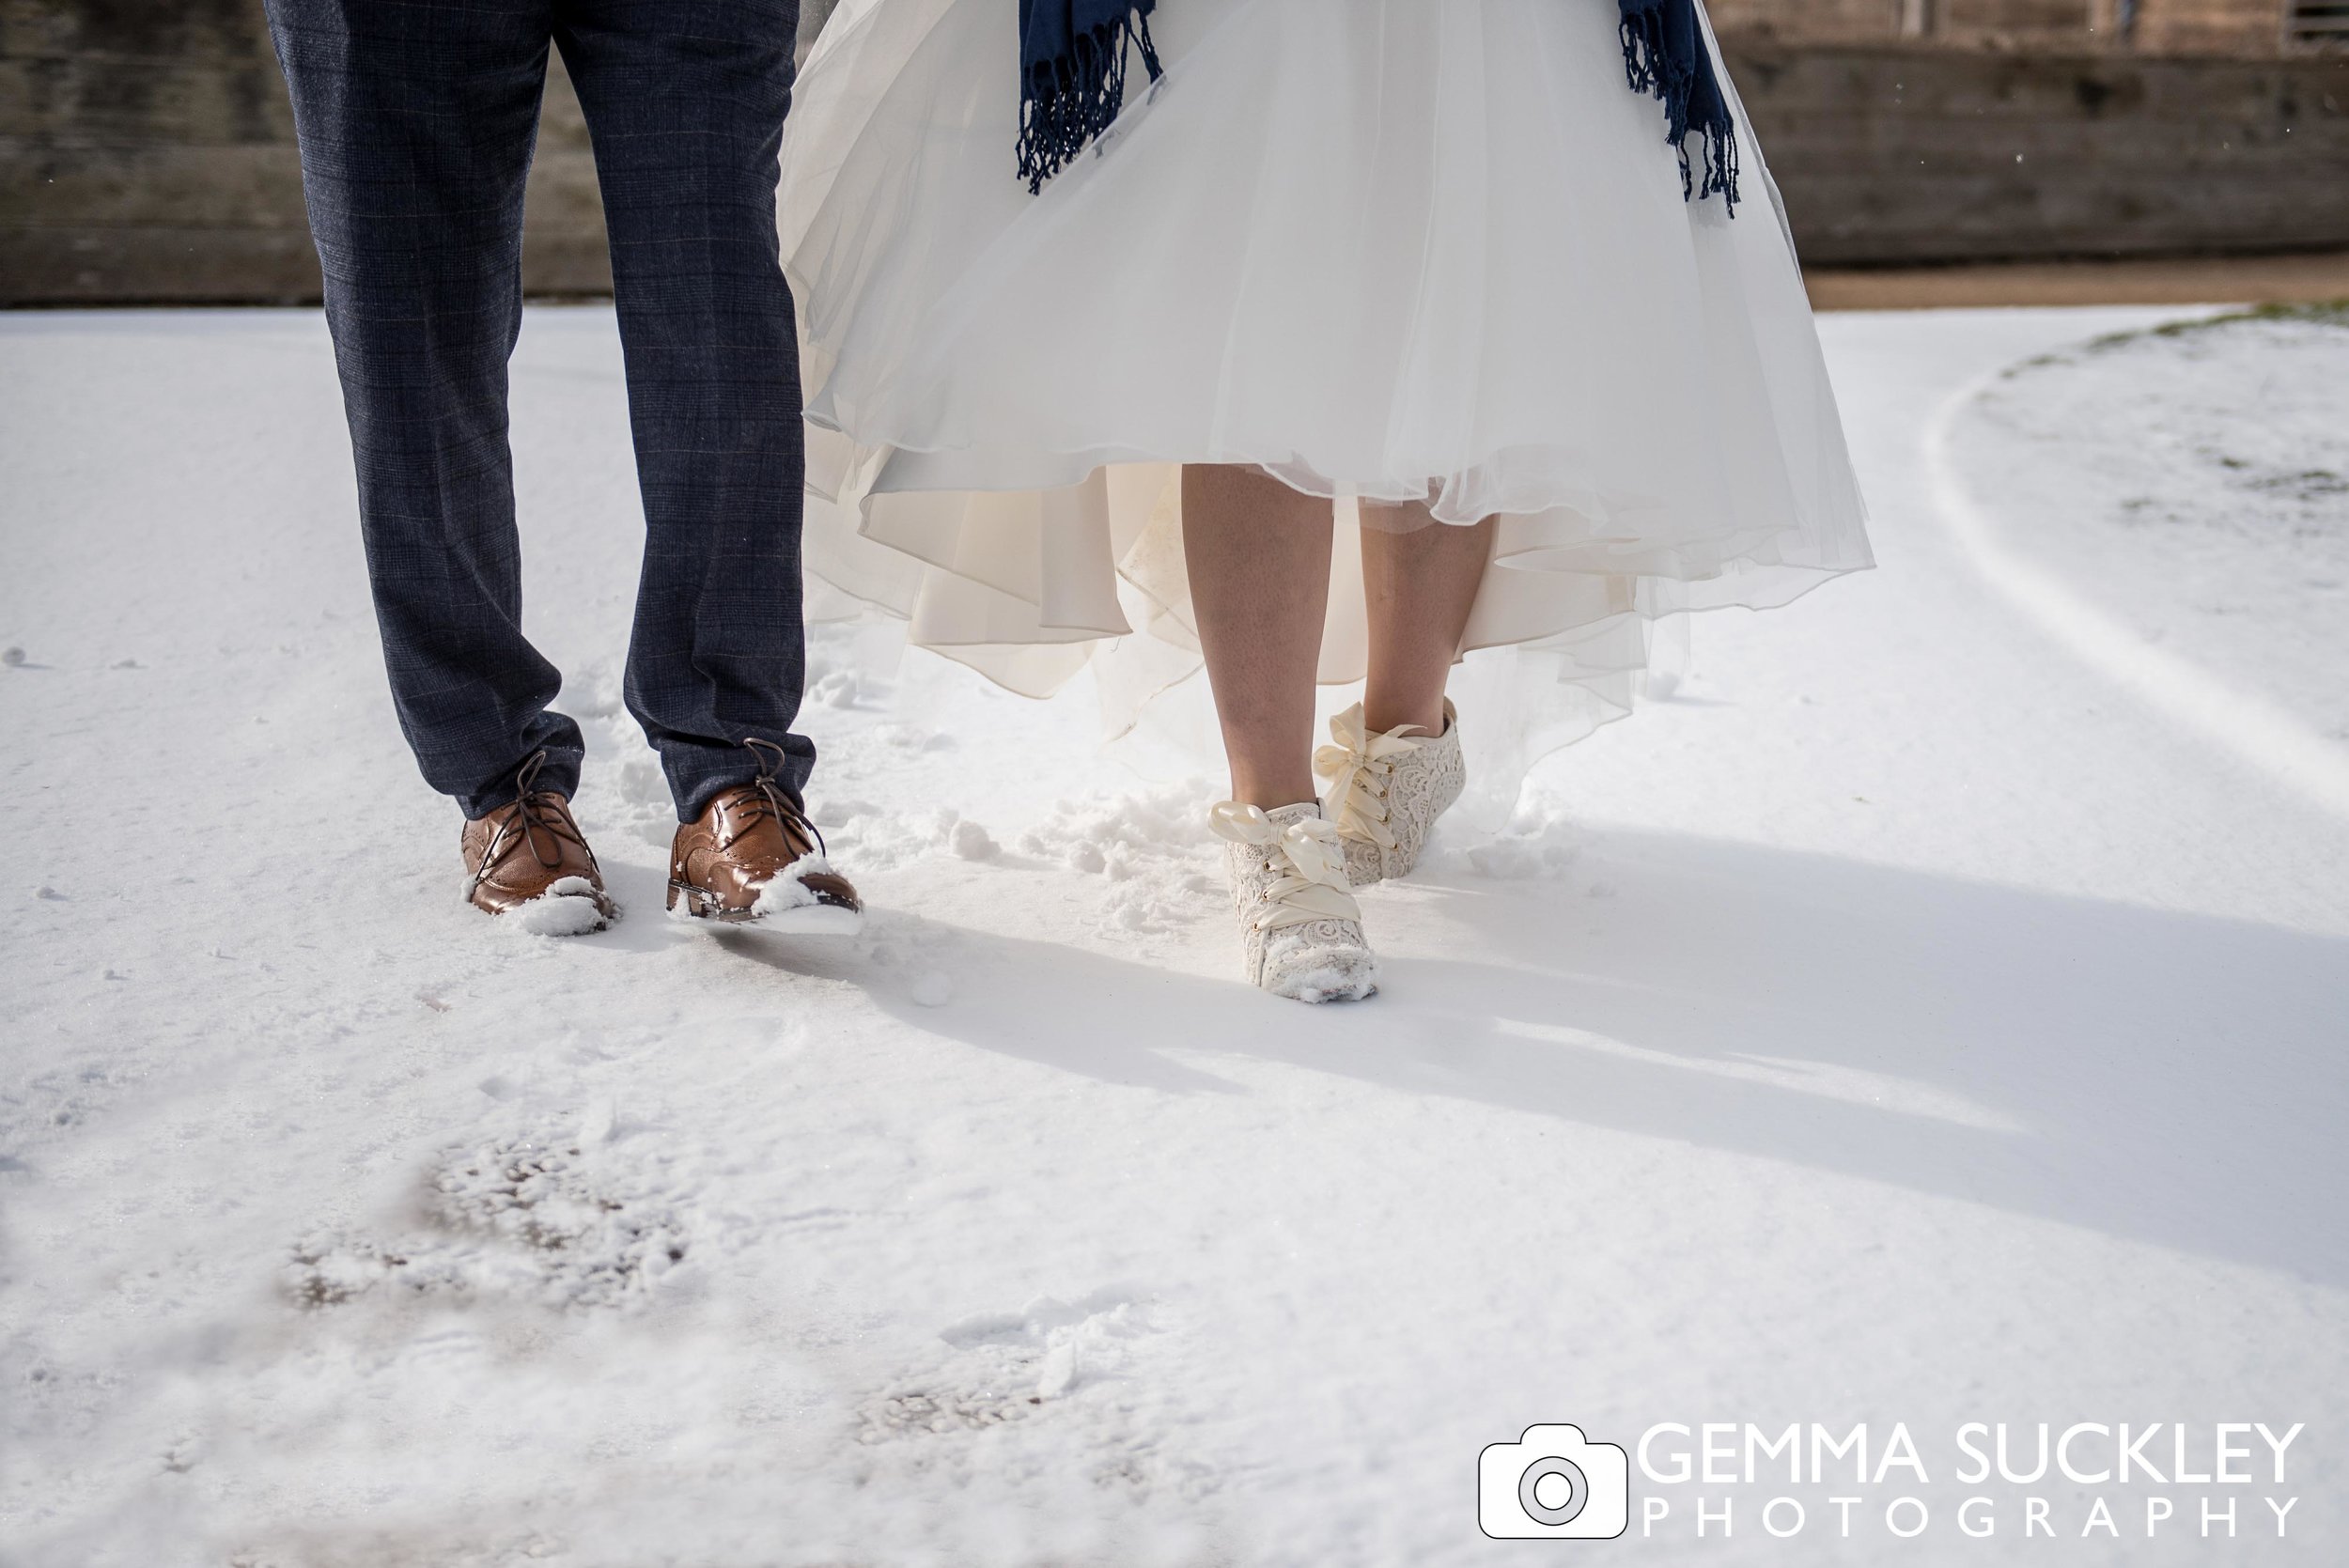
(1259, 557)
(1395, 763)
(1419, 587)
(1258, 553)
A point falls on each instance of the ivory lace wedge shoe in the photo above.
(1387, 790)
(1301, 930)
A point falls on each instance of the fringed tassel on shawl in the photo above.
(1664, 53)
(1073, 97)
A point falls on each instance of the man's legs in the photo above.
(417, 122)
(685, 101)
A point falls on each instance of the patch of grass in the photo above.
(2323, 313)
(2308, 485)
(2037, 362)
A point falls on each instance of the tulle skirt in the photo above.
(1388, 251)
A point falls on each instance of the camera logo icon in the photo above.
(1553, 1481)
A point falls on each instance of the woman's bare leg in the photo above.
(1258, 553)
(1420, 586)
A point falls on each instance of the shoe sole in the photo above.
(559, 915)
(806, 920)
(812, 920)
(1335, 997)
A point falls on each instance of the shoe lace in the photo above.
(538, 820)
(776, 800)
(1360, 767)
(1311, 885)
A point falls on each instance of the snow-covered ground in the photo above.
(2189, 483)
(1926, 1016)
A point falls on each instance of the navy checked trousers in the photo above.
(418, 120)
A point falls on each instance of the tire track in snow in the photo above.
(2259, 732)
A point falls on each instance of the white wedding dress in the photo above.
(1386, 250)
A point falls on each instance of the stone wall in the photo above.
(1889, 154)
(2074, 26)
(146, 154)
(2064, 22)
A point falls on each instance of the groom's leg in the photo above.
(416, 122)
(685, 101)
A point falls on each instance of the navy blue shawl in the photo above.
(1072, 57)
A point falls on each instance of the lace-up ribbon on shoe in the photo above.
(1314, 887)
(1359, 769)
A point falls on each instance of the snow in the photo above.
(2195, 480)
(789, 891)
(567, 908)
(1919, 1017)
(2209, 582)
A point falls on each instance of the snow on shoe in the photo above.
(791, 902)
(569, 907)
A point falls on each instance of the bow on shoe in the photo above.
(1358, 768)
(1314, 886)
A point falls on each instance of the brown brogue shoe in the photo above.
(753, 855)
(530, 860)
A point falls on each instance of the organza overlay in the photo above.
(1388, 250)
